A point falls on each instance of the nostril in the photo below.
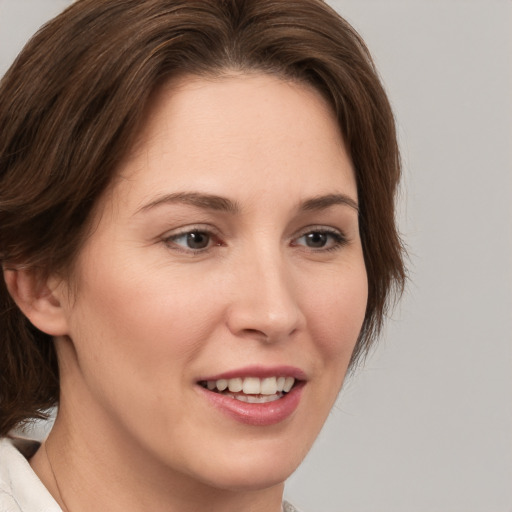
(256, 332)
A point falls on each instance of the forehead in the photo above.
(253, 129)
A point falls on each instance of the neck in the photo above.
(125, 478)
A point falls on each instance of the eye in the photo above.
(193, 240)
(321, 239)
(316, 240)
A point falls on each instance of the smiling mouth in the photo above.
(252, 389)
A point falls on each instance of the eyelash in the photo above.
(170, 241)
(339, 239)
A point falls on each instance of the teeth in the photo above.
(260, 399)
(235, 385)
(251, 399)
(221, 384)
(269, 386)
(250, 386)
(288, 383)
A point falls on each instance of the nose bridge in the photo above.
(265, 303)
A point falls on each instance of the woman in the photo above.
(198, 241)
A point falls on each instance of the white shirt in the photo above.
(20, 488)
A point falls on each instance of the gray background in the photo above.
(426, 425)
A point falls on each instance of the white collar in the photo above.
(20, 488)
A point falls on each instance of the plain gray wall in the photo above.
(426, 426)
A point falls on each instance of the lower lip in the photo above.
(261, 415)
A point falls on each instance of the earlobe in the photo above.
(38, 299)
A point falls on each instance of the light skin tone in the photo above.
(230, 239)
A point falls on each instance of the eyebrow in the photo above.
(223, 204)
(324, 202)
(205, 201)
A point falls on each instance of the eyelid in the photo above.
(182, 230)
(209, 230)
(319, 228)
(340, 237)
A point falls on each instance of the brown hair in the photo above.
(71, 105)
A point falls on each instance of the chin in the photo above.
(252, 478)
(260, 466)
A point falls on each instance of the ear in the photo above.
(39, 299)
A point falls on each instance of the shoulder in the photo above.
(288, 507)
(9, 460)
(20, 488)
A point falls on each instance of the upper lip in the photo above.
(259, 372)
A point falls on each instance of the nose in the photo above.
(265, 301)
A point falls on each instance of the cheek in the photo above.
(136, 335)
(336, 312)
(336, 308)
(141, 322)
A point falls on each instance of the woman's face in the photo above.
(227, 254)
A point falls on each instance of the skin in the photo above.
(146, 316)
